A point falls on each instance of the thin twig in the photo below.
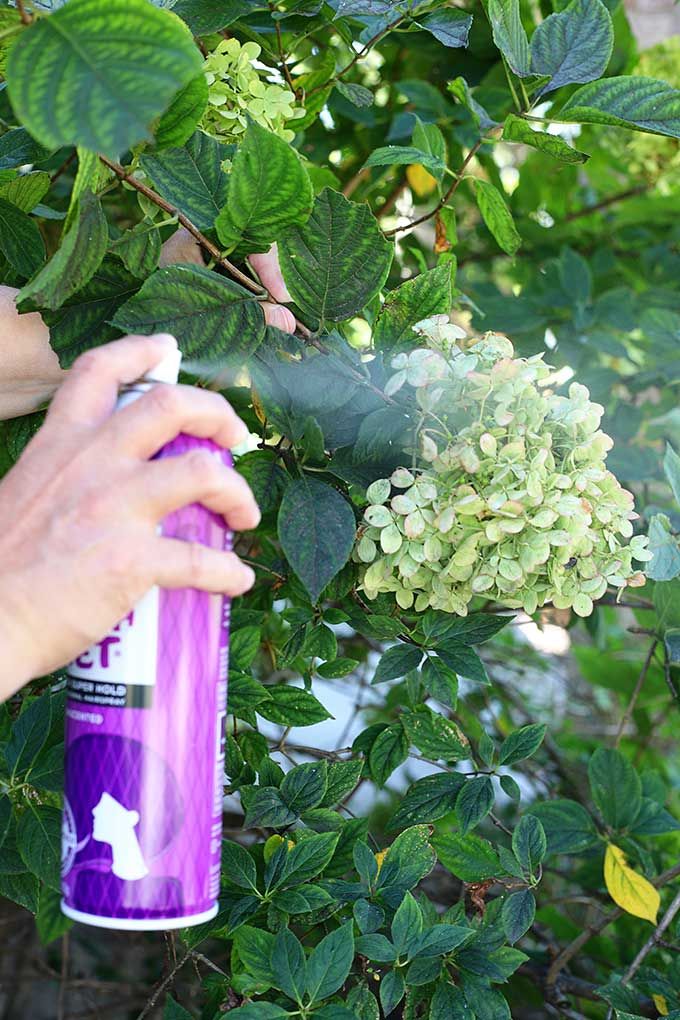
(26, 18)
(625, 718)
(653, 940)
(279, 43)
(359, 55)
(167, 980)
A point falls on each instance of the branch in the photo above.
(606, 202)
(653, 940)
(279, 43)
(445, 198)
(563, 958)
(363, 52)
(625, 718)
(26, 18)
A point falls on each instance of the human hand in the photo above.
(79, 510)
(29, 368)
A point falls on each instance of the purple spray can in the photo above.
(145, 732)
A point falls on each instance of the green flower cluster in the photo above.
(238, 90)
(508, 496)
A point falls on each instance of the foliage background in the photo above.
(566, 721)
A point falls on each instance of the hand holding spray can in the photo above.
(145, 732)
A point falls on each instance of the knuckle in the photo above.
(90, 362)
(197, 563)
(204, 469)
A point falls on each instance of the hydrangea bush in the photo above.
(508, 495)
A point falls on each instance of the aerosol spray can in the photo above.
(145, 732)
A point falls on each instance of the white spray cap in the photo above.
(167, 369)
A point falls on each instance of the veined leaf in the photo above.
(516, 129)
(337, 261)
(206, 16)
(17, 148)
(97, 72)
(449, 26)
(629, 890)
(27, 190)
(191, 178)
(573, 45)
(509, 35)
(635, 102)
(401, 155)
(139, 248)
(497, 216)
(428, 294)
(20, 240)
(615, 786)
(181, 118)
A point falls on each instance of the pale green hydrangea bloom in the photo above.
(238, 90)
(509, 496)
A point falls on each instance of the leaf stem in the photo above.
(625, 718)
(359, 55)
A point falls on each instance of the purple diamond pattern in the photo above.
(163, 762)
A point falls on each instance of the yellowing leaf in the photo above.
(420, 180)
(661, 1004)
(380, 857)
(630, 891)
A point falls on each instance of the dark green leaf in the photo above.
(206, 16)
(261, 470)
(515, 129)
(407, 924)
(97, 72)
(337, 261)
(475, 800)
(292, 706)
(462, 660)
(573, 45)
(303, 862)
(77, 259)
(29, 734)
(343, 776)
(404, 155)
(635, 102)
(364, 1003)
(518, 914)
(289, 965)
(47, 772)
(497, 216)
(254, 948)
(449, 26)
(426, 295)
(269, 191)
(615, 787)
(316, 527)
(448, 1003)
(435, 735)
(440, 681)
(377, 948)
(39, 841)
(20, 240)
(358, 95)
(268, 808)
(521, 744)
(409, 859)
(428, 799)
(181, 118)
(305, 786)
(17, 148)
(442, 938)
(139, 248)
(21, 888)
(389, 750)
(27, 190)
(392, 990)
(50, 922)
(173, 1010)
(470, 858)
(191, 178)
(397, 662)
(568, 827)
(238, 865)
(509, 34)
(529, 843)
(330, 963)
(213, 318)
(368, 916)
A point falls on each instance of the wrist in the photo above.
(18, 663)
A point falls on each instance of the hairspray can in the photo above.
(145, 731)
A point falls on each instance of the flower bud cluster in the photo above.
(508, 496)
(238, 90)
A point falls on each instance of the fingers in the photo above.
(277, 315)
(267, 268)
(198, 477)
(192, 565)
(143, 427)
(88, 396)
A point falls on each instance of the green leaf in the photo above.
(5, 817)
(261, 470)
(529, 843)
(83, 320)
(21, 888)
(269, 191)
(469, 857)
(409, 859)
(330, 962)
(17, 148)
(568, 827)
(139, 248)
(475, 800)
(206, 16)
(511, 788)
(516, 129)
(497, 216)
(518, 914)
(302, 863)
(574, 45)
(407, 924)
(615, 787)
(404, 155)
(238, 866)
(389, 750)
(292, 706)
(462, 660)
(396, 662)
(27, 190)
(51, 924)
(181, 118)
(521, 744)
(214, 319)
(357, 95)
(442, 938)
(29, 733)
(671, 467)
(663, 544)
(427, 294)
(428, 799)
(191, 178)
(461, 91)
(77, 258)
(435, 735)
(20, 240)
(97, 72)
(337, 261)
(47, 772)
(259, 1011)
(467, 630)
(440, 681)
(316, 527)
(634, 102)
(254, 948)
(267, 807)
(392, 990)
(39, 841)
(343, 776)
(449, 26)
(376, 947)
(289, 965)
(368, 916)
(304, 786)
(509, 35)
(173, 1010)
(448, 1003)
